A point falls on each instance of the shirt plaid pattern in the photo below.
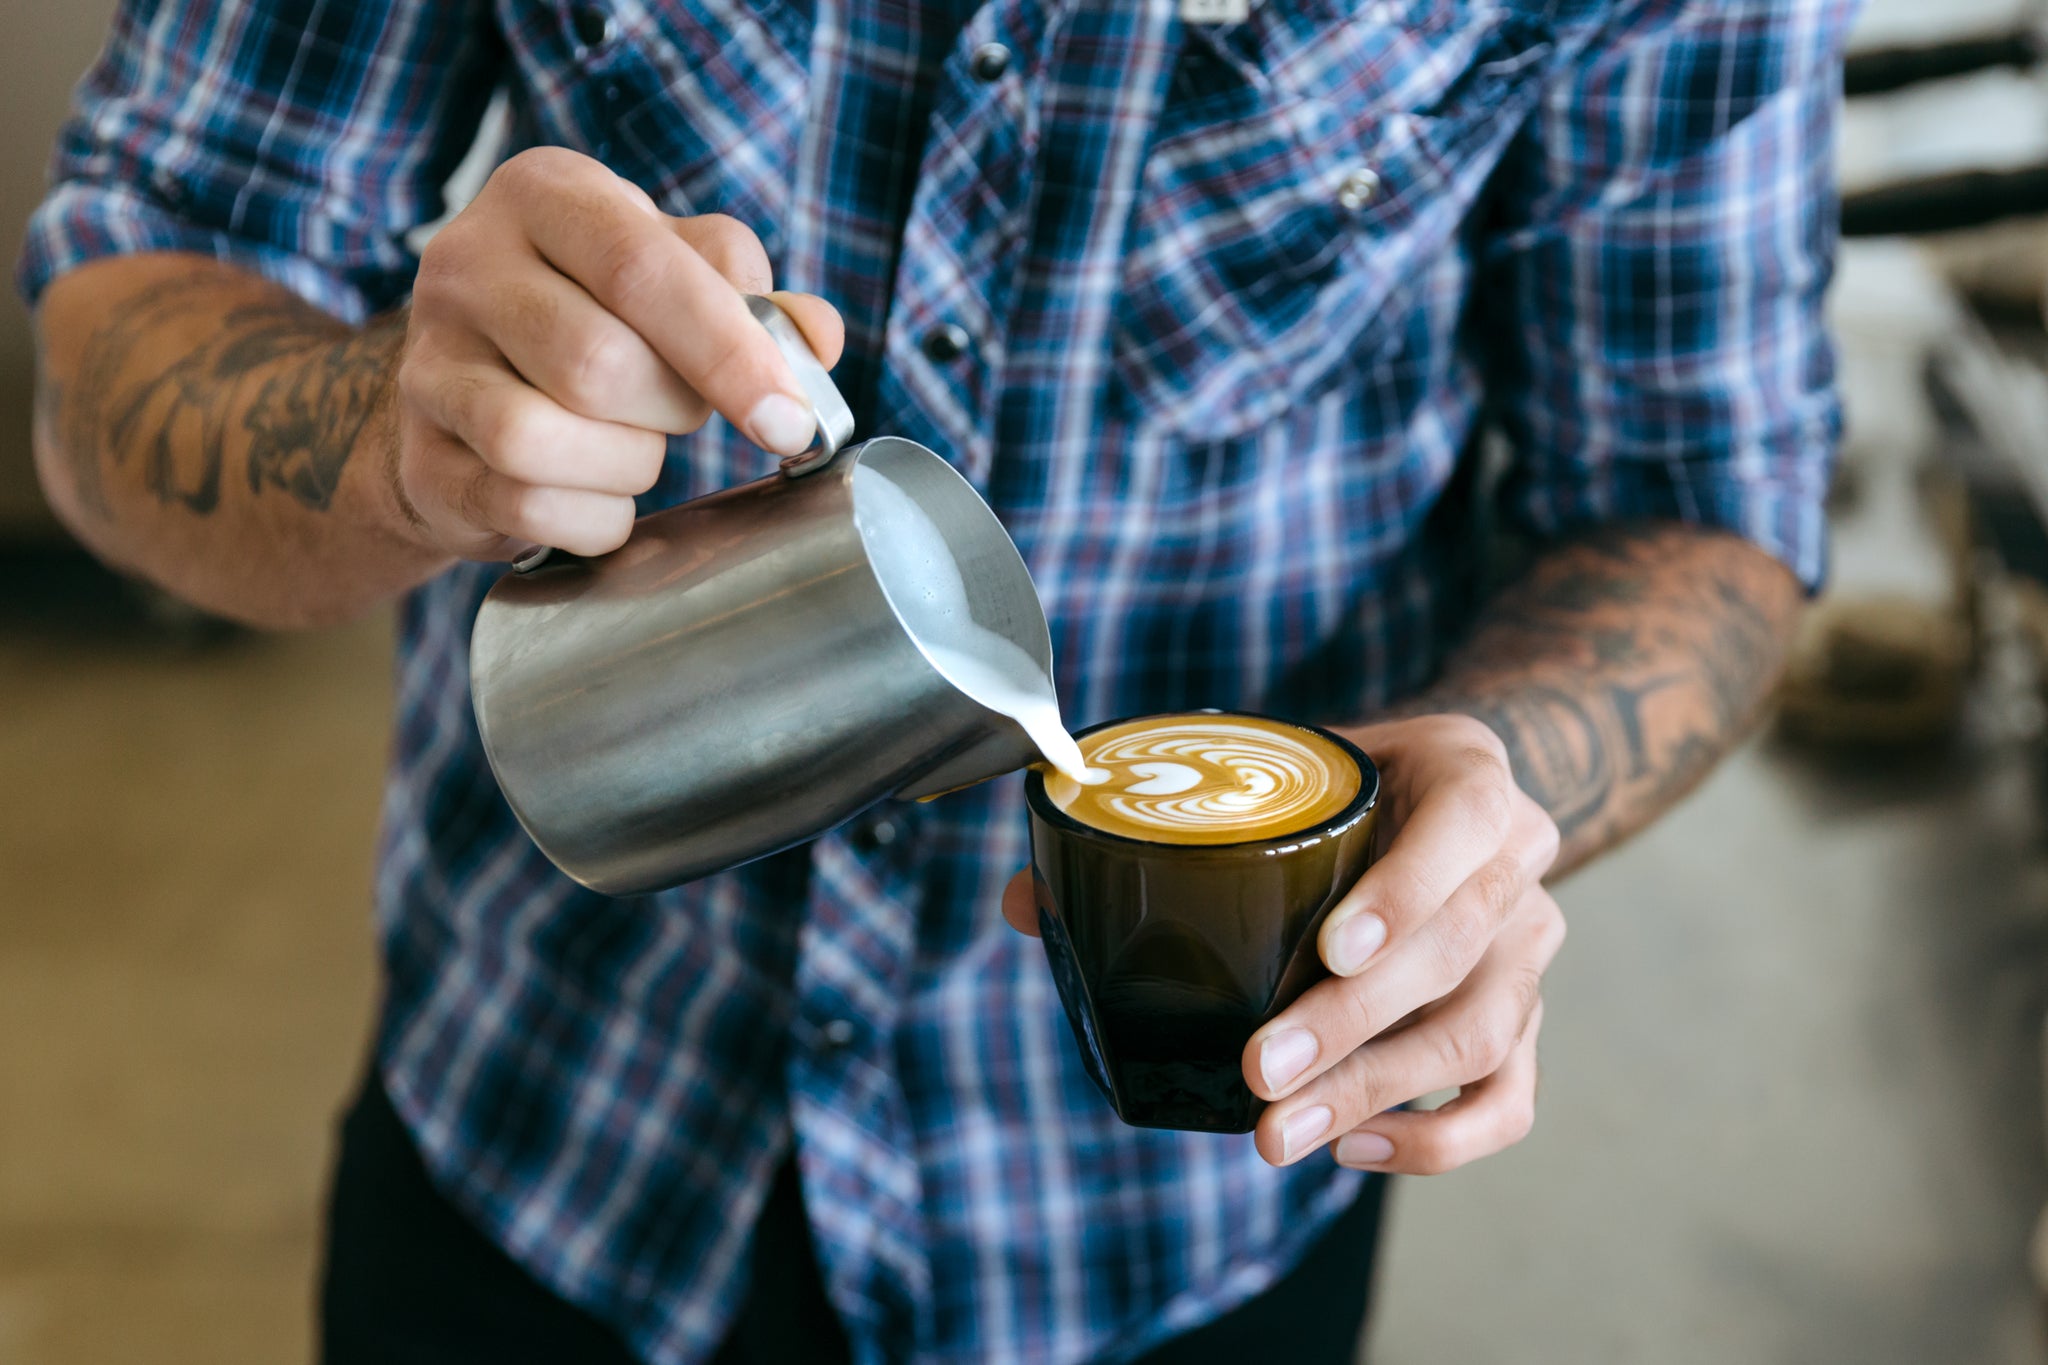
(1239, 298)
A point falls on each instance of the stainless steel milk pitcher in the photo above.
(734, 679)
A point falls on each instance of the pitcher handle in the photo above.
(828, 406)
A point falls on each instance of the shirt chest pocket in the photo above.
(699, 102)
(1307, 164)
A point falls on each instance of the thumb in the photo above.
(1020, 905)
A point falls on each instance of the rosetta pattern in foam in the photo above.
(1207, 779)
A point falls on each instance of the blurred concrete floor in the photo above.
(185, 977)
(1791, 1097)
(1791, 1108)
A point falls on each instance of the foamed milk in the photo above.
(1205, 778)
(923, 583)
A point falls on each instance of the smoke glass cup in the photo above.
(1168, 957)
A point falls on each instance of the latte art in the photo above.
(1206, 779)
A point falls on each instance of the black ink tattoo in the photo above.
(306, 421)
(299, 384)
(1554, 748)
(1620, 669)
(100, 388)
(1627, 700)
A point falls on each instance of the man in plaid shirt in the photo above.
(1212, 303)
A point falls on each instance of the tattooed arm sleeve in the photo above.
(1621, 668)
(196, 421)
(1649, 317)
(215, 433)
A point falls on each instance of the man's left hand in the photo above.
(1438, 955)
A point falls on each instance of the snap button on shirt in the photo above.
(946, 342)
(1360, 188)
(989, 62)
(838, 1033)
(594, 25)
(876, 834)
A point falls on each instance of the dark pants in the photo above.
(408, 1282)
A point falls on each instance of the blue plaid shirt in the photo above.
(1238, 299)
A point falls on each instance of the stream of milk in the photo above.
(923, 583)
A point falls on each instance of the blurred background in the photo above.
(1793, 1104)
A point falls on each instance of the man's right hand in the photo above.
(562, 327)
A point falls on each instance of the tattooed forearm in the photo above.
(204, 429)
(275, 386)
(1621, 668)
(307, 419)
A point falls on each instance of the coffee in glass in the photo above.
(1179, 892)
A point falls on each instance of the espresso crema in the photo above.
(1206, 779)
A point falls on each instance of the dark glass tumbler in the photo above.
(1168, 957)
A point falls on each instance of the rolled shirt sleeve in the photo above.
(1651, 300)
(298, 139)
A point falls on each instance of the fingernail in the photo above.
(1301, 1129)
(1284, 1056)
(780, 423)
(1355, 940)
(1363, 1149)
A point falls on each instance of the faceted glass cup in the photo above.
(1168, 957)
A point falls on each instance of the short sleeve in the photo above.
(295, 138)
(1651, 293)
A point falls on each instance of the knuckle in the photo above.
(472, 500)
(732, 365)
(1488, 792)
(599, 369)
(1472, 733)
(512, 176)
(733, 250)
(535, 513)
(463, 391)
(632, 265)
(414, 379)
(1547, 837)
(526, 310)
(515, 440)
(1525, 994)
(1519, 1121)
(462, 402)
(415, 463)
(1405, 895)
(1476, 1047)
(1357, 1019)
(1363, 1090)
(534, 167)
(1458, 940)
(540, 506)
(1498, 883)
(441, 261)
